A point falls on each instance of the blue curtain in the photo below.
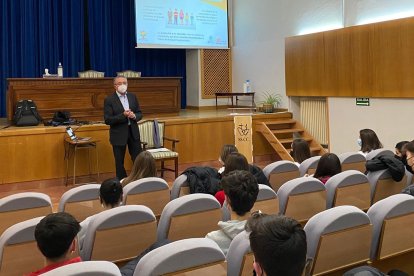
(35, 35)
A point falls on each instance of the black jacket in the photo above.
(259, 175)
(395, 167)
(204, 180)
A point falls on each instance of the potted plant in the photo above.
(271, 101)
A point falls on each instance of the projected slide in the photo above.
(181, 23)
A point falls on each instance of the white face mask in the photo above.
(359, 141)
(122, 88)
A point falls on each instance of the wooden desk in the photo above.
(231, 95)
(84, 97)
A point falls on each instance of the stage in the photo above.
(37, 153)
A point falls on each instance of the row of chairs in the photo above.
(97, 74)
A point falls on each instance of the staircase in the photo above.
(280, 135)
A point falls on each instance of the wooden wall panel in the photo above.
(374, 60)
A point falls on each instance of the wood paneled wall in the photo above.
(374, 60)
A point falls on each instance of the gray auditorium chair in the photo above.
(180, 187)
(352, 161)
(240, 257)
(129, 74)
(301, 198)
(280, 172)
(382, 185)
(189, 216)
(338, 238)
(197, 256)
(393, 235)
(23, 206)
(18, 249)
(348, 188)
(119, 234)
(309, 165)
(90, 268)
(91, 74)
(81, 202)
(152, 192)
(378, 152)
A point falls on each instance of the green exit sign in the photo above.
(362, 101)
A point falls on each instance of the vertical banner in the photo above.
(243, 136)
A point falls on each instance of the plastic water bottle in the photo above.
(247, 87)
(60, 70)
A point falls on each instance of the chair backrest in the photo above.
(378, 152)
(352, 161)
(152, 192)
(81, 202)
(129, 74)
(189, 216)
(266, 201)
(147, 133)
(23, 206)
(180, 187)
(18, 249)
(91, 74)
(392, 219)
(280, 172)
(301, 198)
(309, 165)
(337, 238)
(382, 185)
(348, 188)
(197, 256)
(91, 268)
(240, 256)
(112, 234)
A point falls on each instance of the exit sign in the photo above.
(362, 101)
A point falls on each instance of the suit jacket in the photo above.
(114, 117)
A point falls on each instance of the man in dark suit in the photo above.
(121, 113)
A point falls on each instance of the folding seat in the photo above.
(240, 257)
(152, 192)
(197, 256)
(301, 198)
(280, 172)
(23, 206)
(180, 187)
(338, 238)
(309, 166)
(189, 216)
(348, 188)
(90, 268)
(18, 249)
(119, 234)
(393, 235)
(352, 161)
(378, 152)
(81, 202)
(383, 186)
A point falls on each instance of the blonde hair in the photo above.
(144, 166)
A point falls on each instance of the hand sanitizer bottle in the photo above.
(60, 70)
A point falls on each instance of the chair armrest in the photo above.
(174, 141)
(144, 145)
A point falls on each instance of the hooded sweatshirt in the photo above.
(228, 230)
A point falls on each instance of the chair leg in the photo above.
(162, 169)
(176, 167)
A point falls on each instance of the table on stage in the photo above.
(231, 95)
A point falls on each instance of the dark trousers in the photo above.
(134, 148)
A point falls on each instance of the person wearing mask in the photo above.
(368, 141)
(144, 166)
(121, 113)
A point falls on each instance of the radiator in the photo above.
(313, 115)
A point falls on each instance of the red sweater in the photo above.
(53, 266)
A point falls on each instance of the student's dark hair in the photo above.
(226, 150)
(399, 146)
(369, 140)
(54, 234)
(235, 161)
(278, 244)
(241, 188)
(111, 192)
(300, 150)
(144, 166)
(328, 165)
(409, 147)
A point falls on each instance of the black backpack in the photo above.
(26, 114)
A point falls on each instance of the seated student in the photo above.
(400, 150)
(241, 190)
(278, 244)
(368, 141)
(55, 235)
(110, 195)
(300, 151)
(225, 151)
(328, 166)
(144, 166)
